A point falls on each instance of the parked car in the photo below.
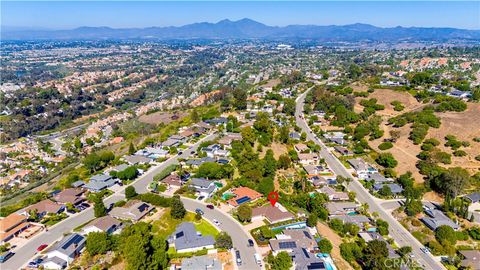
(201, 198)
(41, 247)
(35, 263)
(192, 152)
(250, 243)
(5, 256)
(258, 259)
(210, 206)
(179, 153)
(238, 258)
(216, 222)
(198, 210)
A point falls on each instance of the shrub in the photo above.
(459, 153)
(325, 246)
(385, 146)
(386, 160)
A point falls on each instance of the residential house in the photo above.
(361, 168)
(473, 197)
(272, 214)
(135, 159)
(317, 170)
(43, 208)
(106, 224)
(334, 195)
(65, 251)
(187, 239)
(343, 151)
(217, 121)
(11, 226)
(301, 148)
(471, 259)
(243, 195)
(370, 236)
(335, 137)
(292, 239)
(197, 162)
(201, 262)
(437, 218)
(294, 135)
(203, 187)
(377, 178)
(100, 182)
(155, 153)
(396, 189)
(134, 211)
(173, 180)
(341, 208)
(73, 196)
(304, 259)
(308, 158)
(359, 220)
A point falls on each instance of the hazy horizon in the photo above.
(124, 14)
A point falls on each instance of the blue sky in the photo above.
(70, 14)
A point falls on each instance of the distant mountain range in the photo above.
(249, 29)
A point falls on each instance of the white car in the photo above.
(216, 222)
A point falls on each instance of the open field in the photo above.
(328, 233)
(161, 117)
(385, 97)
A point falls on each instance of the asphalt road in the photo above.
(26, 253)
(401, 236)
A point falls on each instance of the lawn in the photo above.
(166, 225)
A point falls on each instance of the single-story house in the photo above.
(134, 212)
(70, 195)
(66, 250)
(334, 195)
(119, 168)
(308, 158)
(395, 188)
(134, 159)
(100, 182)
(358, 220)
(473, 197)
(471, 259)
(300, 148)
(304, 259)
(197, 162)
(11, 226)
(201, 262)
(187, 239)
(243, 195)
(378, 178)
(173, 180)
(203, 186)
(361, 168)
(106, 224)
(343, 151)
(437, 218)
(341, 208)
(43, 208)
(273, 214)
(291, 239)
(294, 135)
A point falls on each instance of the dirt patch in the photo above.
(336, 240)
(161, 117)
(465, 126)
(385, 97)
(433, 197)
(272, 83)
(277, 148)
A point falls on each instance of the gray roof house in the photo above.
(437, 218)
(66, 250)
(395, 188)
(120, 168)
(378, 178)
(134, 212)
(306, 260)
(198, 162)
(471, 259)
(201, 262)
(203, 186)
(358, 220)
(341, 208)
(473, 197)
(292, 239)
(100, 182)
(187, 239)
(134, 159)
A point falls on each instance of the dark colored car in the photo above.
(179, 153)
(210, 206)
(192, 152)
(198, 210)
(250, 242)
(239, 259)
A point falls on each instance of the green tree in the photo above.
(445, 233)
(269, 164)
(282, 261)
(385, 191)
(248, 135)
(312, 220)
(386, 160)
(128, 174)
(159, 258)
(289, 106)
(135, 252)
(284, 161)
(224, 241)
(244, 213)
(98, 243)
(177, 210)
(130, 192)
(375, 254)
(404, 251)
(131, 149)
(99, 209)
(351, 228)
(325, 246)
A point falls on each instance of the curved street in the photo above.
(401, 236)
(24, 254)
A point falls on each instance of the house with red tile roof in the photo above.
(243, 195)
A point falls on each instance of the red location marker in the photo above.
(273, 197)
